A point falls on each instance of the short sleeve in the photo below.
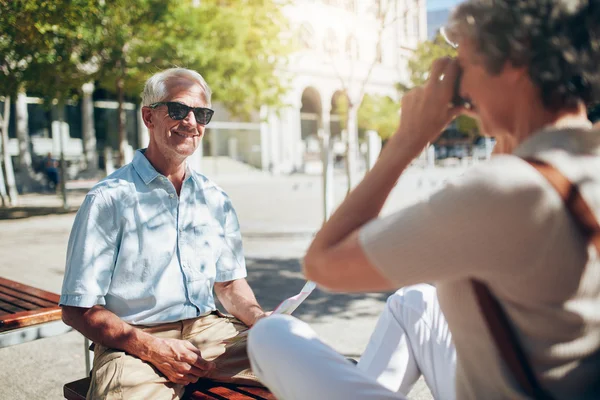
(231, 264)
(493, 220)
(91, 254)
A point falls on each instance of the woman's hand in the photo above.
(427, 110)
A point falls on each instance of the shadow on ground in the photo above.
(26, 212)
(274, 280)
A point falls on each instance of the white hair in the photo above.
(156, 88)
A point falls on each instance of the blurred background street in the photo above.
(278, 215)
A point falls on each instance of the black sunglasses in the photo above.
(178, 111)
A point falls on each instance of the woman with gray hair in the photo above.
(512, 246)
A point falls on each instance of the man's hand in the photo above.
(179, 360)
(261, 316)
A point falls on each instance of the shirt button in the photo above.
(171, 195)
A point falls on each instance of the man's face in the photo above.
(491, 95)
(176, 139)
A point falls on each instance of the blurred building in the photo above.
(337, 41)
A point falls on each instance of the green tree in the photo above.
(48, 47)
(126, 26)
(236, 45)
(45, 47)
(377, 113)
(423, 57)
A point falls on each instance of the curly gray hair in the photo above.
(558, 41)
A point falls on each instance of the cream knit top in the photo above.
(504, 224)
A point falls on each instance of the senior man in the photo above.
(148, 245)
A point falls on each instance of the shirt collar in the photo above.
(147, 172)
(143, 167)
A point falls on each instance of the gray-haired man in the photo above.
(148, 245)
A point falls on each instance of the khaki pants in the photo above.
(118, 375)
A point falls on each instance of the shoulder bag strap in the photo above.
(498, 324)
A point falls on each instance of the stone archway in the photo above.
(310, 113)
(310, 122)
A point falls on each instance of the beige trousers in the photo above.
(118, 375)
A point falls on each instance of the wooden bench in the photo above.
(202, 390)
(24, 306)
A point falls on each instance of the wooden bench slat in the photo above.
(29, 318)
(210, 390)
(24, 304)
(40, 302)
(11, 308)
(52, 297)
(203, 390)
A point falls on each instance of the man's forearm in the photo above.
(105, 328)
(238, 299)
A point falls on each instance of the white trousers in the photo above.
(411, 338)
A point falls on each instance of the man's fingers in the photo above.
(203, 364)
(197, 372)
(192, 378)
(191, 347)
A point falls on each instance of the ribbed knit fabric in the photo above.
(504, 224)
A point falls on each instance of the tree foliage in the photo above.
(423, 57)
(47, 46)
(54, 46)
(377, 113)
(237, 46)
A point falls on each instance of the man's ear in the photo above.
(147, 117)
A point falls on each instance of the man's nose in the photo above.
(190, 118)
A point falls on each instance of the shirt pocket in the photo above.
(208, 246)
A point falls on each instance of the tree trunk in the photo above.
(59, 129)
(89, 132)
(352, 145)
(8, 166)
(122, 117)
(3, 194)
(26, 174)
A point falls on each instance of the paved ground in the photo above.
(278, 217)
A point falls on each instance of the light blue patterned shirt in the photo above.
(148, 255)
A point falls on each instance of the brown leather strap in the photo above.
(574, 202)
(507, 342)
(496, 319)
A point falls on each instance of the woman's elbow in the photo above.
(316, 268)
